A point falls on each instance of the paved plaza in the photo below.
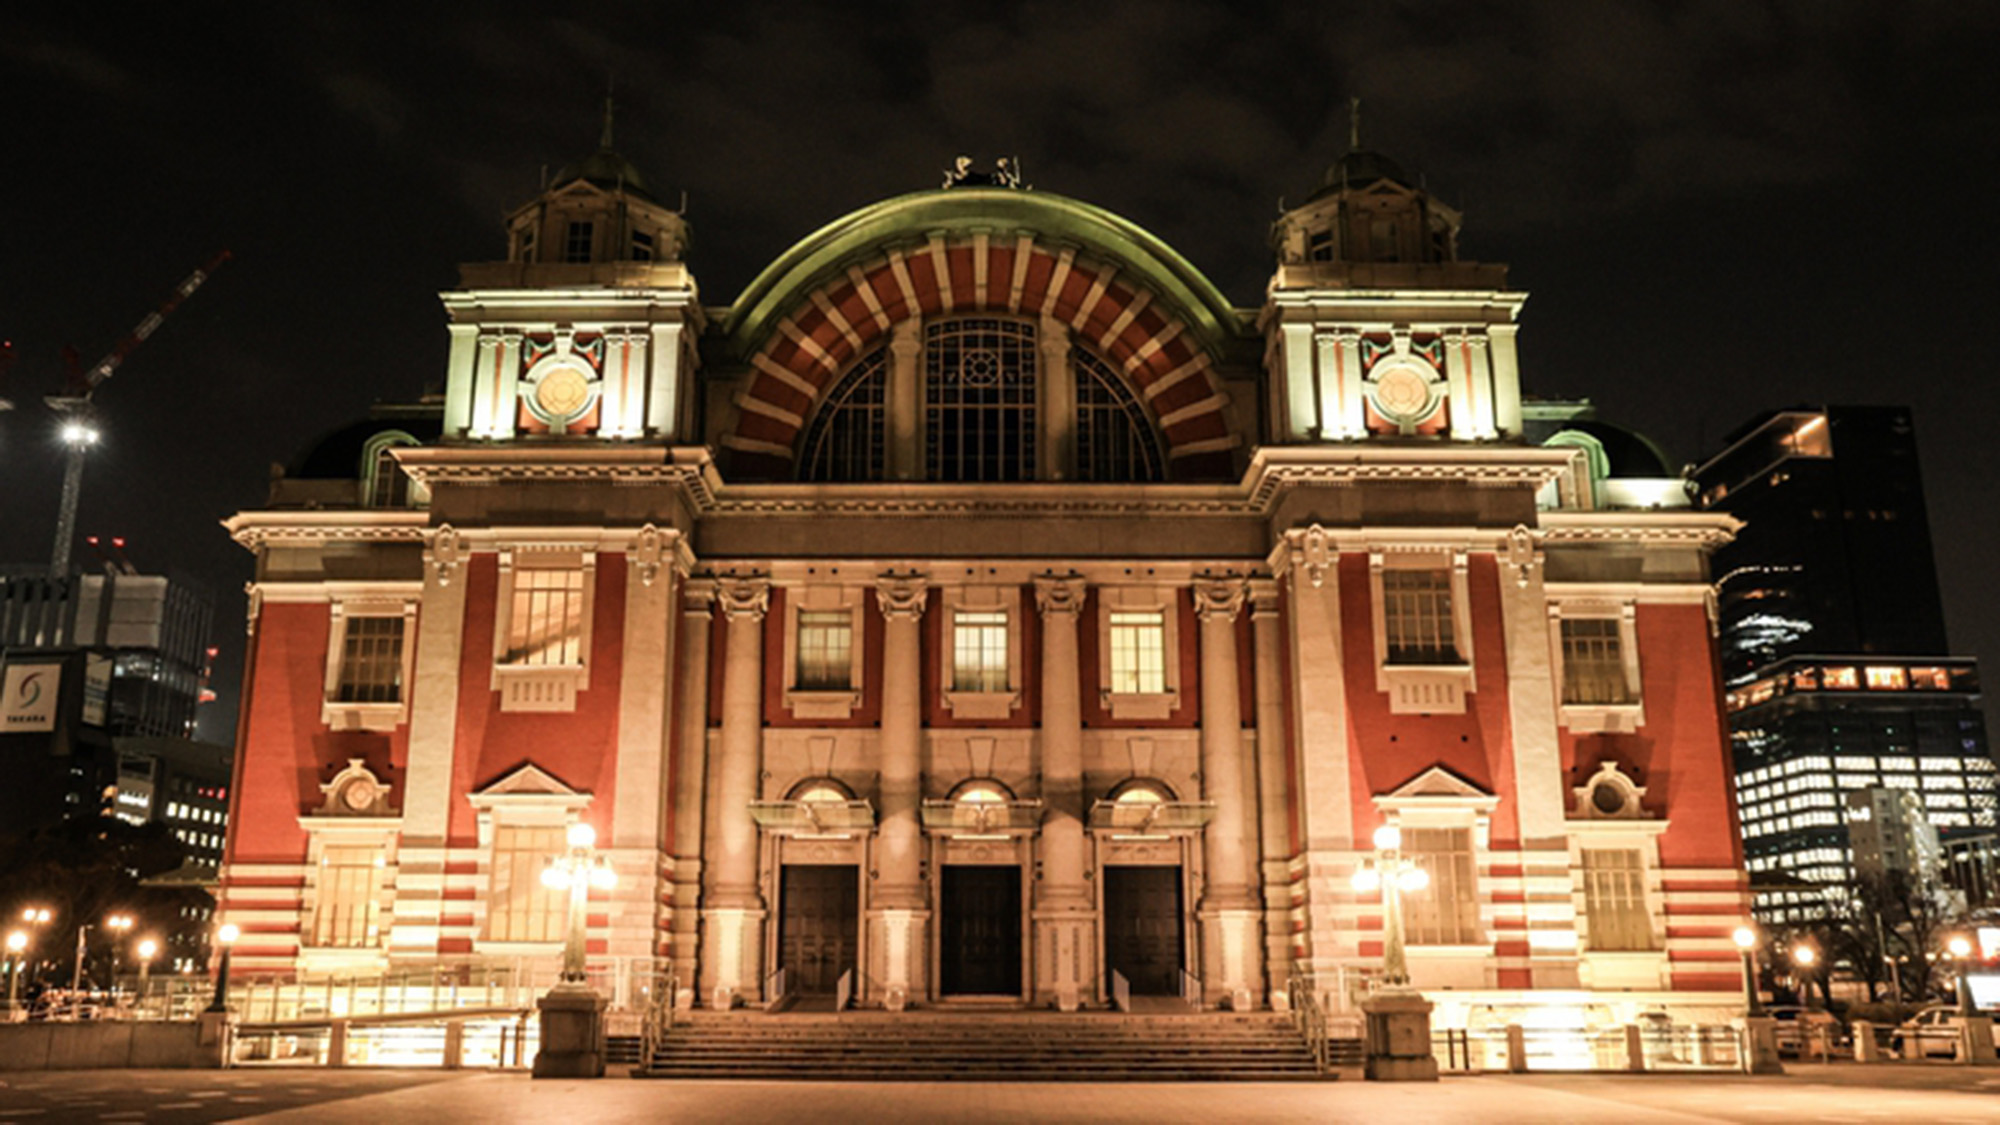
(1931, 1095)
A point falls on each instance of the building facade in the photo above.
(1833, 645)
(984, 605)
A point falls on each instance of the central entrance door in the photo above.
(980, 933)
(819, 923)
(1142, 927)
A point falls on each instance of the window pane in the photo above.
(1114, 438)
(979, 651)
(1614, 899)
(1138, 653)
(979, 396)
(825, 650)
(519, 906)
(547, 623)
(390, 486)
(844, 441)
(371, 661)
(577, 246)
(1593, 661)
(1446, 910)
(1416, 612)
(350, 884)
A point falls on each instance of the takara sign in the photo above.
(28, 698)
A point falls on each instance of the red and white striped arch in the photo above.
(850, 315)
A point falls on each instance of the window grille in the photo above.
(979, 400)
(1138, 653)
(1416, 611)
(577, 244)
(845, 439)
(1614, 899)
(519, 907)
(389, 487)
(825, 650)
(1446, 911)
(979, 651)
(347, 912)
(1114, 439)
(1593, 661)
(546, 626)
(371, 661)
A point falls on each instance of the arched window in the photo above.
(821, 790)
(1142, 791)
(1114, 440)
(981, 791)
(384, 484)
(845, 440)
(979, 400)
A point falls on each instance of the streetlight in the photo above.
(1392, 874)
(148, 949)
(578, 871)
(17, 952)
(1746, 940)
(118, 924)
(36, 915)
(1961, 950)
(1803, 957)
(225, 937)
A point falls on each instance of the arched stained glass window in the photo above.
(845, 440)
(979, 400)
(1114, 439)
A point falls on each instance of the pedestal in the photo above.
(1760, 1045)
(1065, 942)
(900, 941)
(1399, 1038)
(572, 1034)
(212, 1034)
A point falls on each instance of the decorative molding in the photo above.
(744, 598)
(253, 607)
(1522, 557)
(902, 597)
(1220, 598)
(354, 792)
(1316, 553)
(649, 549)
(1056, 594)
(444, 553)
(698, 598)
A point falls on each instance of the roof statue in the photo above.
(1006, 173)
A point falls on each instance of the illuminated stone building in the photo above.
(984, 603)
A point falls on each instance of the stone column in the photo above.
(1228, 911)
(1274, 784)
(691, 777)
(427, 778)
(1065, 940)
(906, 402)
(732, 907)
(898, 908)
(637, 847)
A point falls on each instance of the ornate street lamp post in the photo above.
(225, 937)
(573, 1015)
(17, 959)
(1399, 1018)
(1961, 953)
(1804, 957)
(119, 925)
(1746, 941)
(1760, 1032)
(148, 949)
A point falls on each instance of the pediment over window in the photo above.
(1609, 794)
(529, 784)
(1438, 786)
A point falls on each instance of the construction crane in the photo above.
(74, 409)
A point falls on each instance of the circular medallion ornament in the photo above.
(359, 794)
(1403, 394)
(563, 393)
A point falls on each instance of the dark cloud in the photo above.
(1720, 205)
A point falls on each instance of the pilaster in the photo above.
(1227, 904)
(733, 914)
(1063, 919)
(906, 407)
(1274, 783)
(896, 904)
(690, 790)
(645, 701)
(428, 787)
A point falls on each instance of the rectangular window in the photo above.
(577, 246)
(546, 626)
(1416, 611)
(1887, 678)
(519, 906)
(1138, 652)
(371, 661)
(1614, 899)
(1446, 911)
(1593, 661)
(826, 650)
(350, 886)
(979, 651)
(642, 246)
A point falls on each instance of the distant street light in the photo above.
(118, 924)
(1961, 953)
(36, 915)
(148, 949)
(17, 954)
(225, 937)
(1746, 941)
(1803, 958)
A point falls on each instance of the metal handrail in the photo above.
(1309, 1017)
(659, 1017)
(843, 991)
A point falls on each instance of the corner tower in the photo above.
(1373, 326)
(587, 329)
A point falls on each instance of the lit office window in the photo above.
(979, 651)
(1593, 661)
(519, 906)
(1138, 652)
(825, 650)
(1416, 612)
(1614, 899)
(347, 911)
(546, 627)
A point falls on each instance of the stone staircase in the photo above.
(986, 1046)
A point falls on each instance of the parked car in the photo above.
(1796, 1026)
(1930, 1034)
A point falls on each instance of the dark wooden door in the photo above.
(819, 917)
(980, 935)
(1142, 927)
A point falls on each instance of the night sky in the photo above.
(1718, 207)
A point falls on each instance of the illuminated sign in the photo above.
(1985, 989)
(28, 697)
